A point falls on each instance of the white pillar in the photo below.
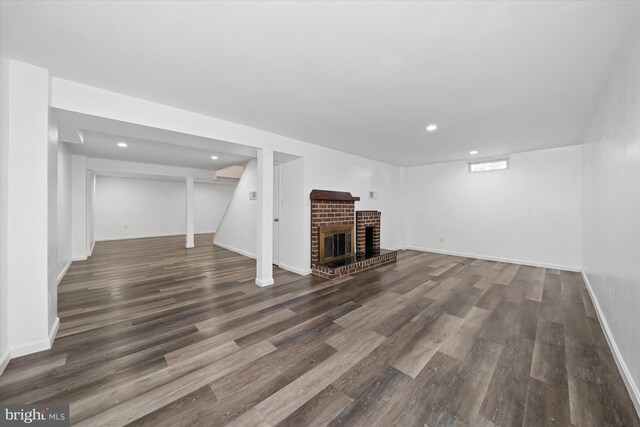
(264, 250)
(190, 213)
(91, 217)
(79, 207)
(31, 281)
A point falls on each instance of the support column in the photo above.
(79, 212)
(190, 213)
(264, 250)
(31, 258)
(91, 217)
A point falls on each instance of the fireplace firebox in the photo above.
(336, 242)
(369, 247)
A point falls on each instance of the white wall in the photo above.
(529, 213)
(64, 210)
(135, 207)
(292, 196)
(131, 208)
(611, 213)
(238, 228)
(211, 201)
(4, 210)
(31, 176)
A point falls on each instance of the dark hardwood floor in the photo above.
(154, 334)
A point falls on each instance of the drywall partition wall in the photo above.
(64, 210)
(292, 217)
(127, 208)
(529, 213)
(211, 201)
(611, 214)
(238, 228)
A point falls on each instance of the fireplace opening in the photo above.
(368, 241)
(336, 242)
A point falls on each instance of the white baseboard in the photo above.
(263, 283)
(38, 345)
(81, 258)
(93, 245)
(64, 271)
(632, 387)
(54, 331)
(232, 249)
(145, 236)
(498, 259)
(4, 360)
(300, 271)
(30, 347)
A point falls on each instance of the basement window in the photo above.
(489, 165)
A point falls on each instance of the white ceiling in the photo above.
(105, 146)
(362, 77)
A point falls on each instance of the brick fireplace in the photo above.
(329, 208)
(343, 240)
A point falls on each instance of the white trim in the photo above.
(632, 387)
(39, 345)
(4, 360)
(64, 271)
(30, 347)
(498, 259)
(238, 251)
(145, 236)
(300, 271)
(54, 331)
(91, 250)
(79, 259)
(263, 283)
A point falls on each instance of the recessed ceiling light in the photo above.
(473, 152)
(214, 157)
(432, 128)
(122, 144)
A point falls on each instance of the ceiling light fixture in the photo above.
(214, 157)
(473, 152)
(122, 144)
(432, 128)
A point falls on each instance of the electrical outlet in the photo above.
(442, 240)
(126, 227)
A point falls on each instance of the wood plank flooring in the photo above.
(154, 334)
